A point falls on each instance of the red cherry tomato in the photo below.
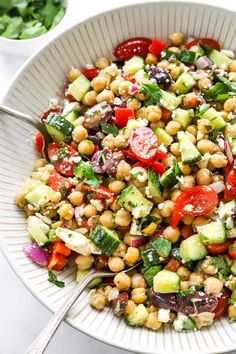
(143, 143)
(221, 308)
(52, 110)
(172, 265)
(157, 46)
(230, 186)
(204, 41)
(101, 192)
(132, 46)
(38, 139)
(232, 252)
(91, 73)
(129, 154)
(64, 165)
(161, 155)
(194, 201)
(215, 248)
(122, 116)
(157, 166)
(56, 182)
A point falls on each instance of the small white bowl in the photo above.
(26, 47)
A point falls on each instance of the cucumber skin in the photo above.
(191, 249)
(133, 65)
(207, 232)
(189, 152)
(219, 59)
(169, 178)
(58, 127)
(150, 257)
(155, 188)
(131, 198)
(163, 137)
(104, 239)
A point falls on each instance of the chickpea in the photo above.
(119, 141)
(172, 234)
(76, 198)
(73, 74)
(205, 126)
(116, 264)
(175, 194)
(123, 170)
(172, 127)
(154, 114)
(130, 307)
(183, 273)
(86, 147)
(185, 169)
(114, 86)
(39, 163)
(213, 285)
(66, 211)
(90, 210)
(105, 290)
(199, 221)
(152, 321)
(127, 239)
(99, 83)
(97, 300)
(156, 212)
(208, 267)
(191, 137)
(90, 98)
(132, 256)
(163, 64)
(102, 63)
(115, 206)
(167, 209)
(184, 285)
(79, 121)
(174, 148)
(204, 177)
(196, 279)
(108, 142)
(231, 311)
(84, 262)
(204, 83)
(123, 87)
(141, 97)
(133, 103)
(175, 72)
(121, 250)
(122, 281)
(151, 59)
(56, 198)
(189, 182)
(192, 129)
(187, 219)
(218, 160)
(232, 76)
(107, 219)
(116, 186)
(138, 281)
(230, 104)
(20, 197)
(79, 134)
(123, 217)
(105, 95)
(138, 295)
(232, 66)
(177, 38)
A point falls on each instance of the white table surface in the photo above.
(21, 315)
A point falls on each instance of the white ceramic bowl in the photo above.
(25, 47)
(37, 81)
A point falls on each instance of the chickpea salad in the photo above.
(143, 168)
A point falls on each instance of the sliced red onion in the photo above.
(79, 213)
(133, 89)
(217, 186)
(227, 148)
(138, 241)
(36, 254)
(203, 62)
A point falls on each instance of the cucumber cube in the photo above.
(184, 83)
(214, 116)
(169, 101)
(189, 152)
(166, 282)
(182, 116)
(133, 65)
(219, 59)
(106, 240)
(191, 249)
(79, 87)
(214, 232)
(163, 137)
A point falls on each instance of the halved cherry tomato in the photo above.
(38, 139)
(209, 42)
(222, 306)
(166, 115)
(219, 248)
(61, 248)
(230, 186)
(172, 265)
(232, 252)
(65, 165)
(101, 192)
(130, 78)
(194, 201)
(52, 110)
(91, 73)
(161, 155)
(191, 100)
(132, 46)
(57, 261)
(143, 143)
(157, 46)
(122, 116)
(129, 154)
(157, 166)
(56, 182)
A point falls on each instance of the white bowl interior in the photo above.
(40, 79)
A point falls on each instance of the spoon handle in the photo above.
(41, 341)
(17, 114)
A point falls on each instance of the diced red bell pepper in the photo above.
(218, 248)
(57, 261)
(172, 265)
(157, 167)
(122, 116)
(232, 250)
(61, 248)
(101, 192)
(157, 47)
(38, 139)
(91, 73)
(230, 186)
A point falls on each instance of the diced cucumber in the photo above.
(214, 116)
(106, 240)
(182, 116)
(162, 246)
(233, 268)
(58, 127)
(231, 233)
(184, 83)
(225, 210)
(132, 124)
(154, 187)
(142, 77)
(197, 49)
(219, 59)
(189, 152)
(231, 138)
(191, 249)
(166, 282)
(133, 200)
(163, 137)
(170, 177)
(214, 232)
(39, 196)
(38, 230)
(82, 273)
(27, 186)
(188, 56)
(150, 257)
(137, 317)
(79, 87)
(133, 65)
(149, 273)
(189, 325)
(71, 116)
(170, 101)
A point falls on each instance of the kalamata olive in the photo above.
(101, 111)
(119, 63)
(104, 161)
(119, 303)
(160, 75)
(163, 301)
(101, 262)
(198, 302)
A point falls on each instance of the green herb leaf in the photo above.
(162, 246)
(145, 221)
(188, 56)
(222, 266)
(231, 86)
(190, 291)
(109, 128)
(153, 91)
(85, 172)
(202, 109)
(216, 93)
(62, 153)
(52, 278)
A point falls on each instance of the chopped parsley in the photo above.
(108, 128)
(62, 153)
(190, 291)
(63, 191)
(222, 266)
(52, 278)
(153, 91)
(85, 172)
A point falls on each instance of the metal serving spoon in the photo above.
(41, 341)
(36, 123)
